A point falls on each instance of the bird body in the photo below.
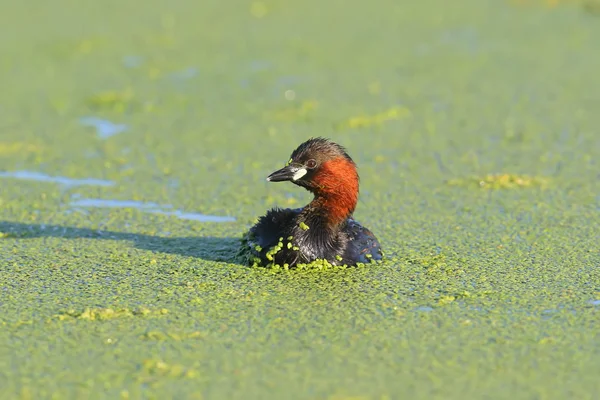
(322, 230)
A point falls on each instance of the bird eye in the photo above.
(310, 164)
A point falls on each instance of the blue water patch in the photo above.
(150, 207)
(260, 65)
(132, 61)
(188, 73)
(595, 302)
(104, 128)
(61, 180)
(424, 308)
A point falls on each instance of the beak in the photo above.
(287, 173)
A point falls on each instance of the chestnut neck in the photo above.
(335, 190)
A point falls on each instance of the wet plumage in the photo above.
(322, 230)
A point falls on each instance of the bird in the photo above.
(324, 229)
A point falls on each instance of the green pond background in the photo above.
(476, 130)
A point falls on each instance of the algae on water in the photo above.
(501, 181)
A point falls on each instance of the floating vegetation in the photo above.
(162, 336)
(119, 101)
(365, 121)
(249, 254)
(258, 9)
(103, 314)
(70, 49)
(11, 235)
(18, 148)
(430, 260)
(438, 263)
(324, 265)
(112, 99)
(274, 250)
(296, 112)
(501, 181)
(444, 300)
(160, 368)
